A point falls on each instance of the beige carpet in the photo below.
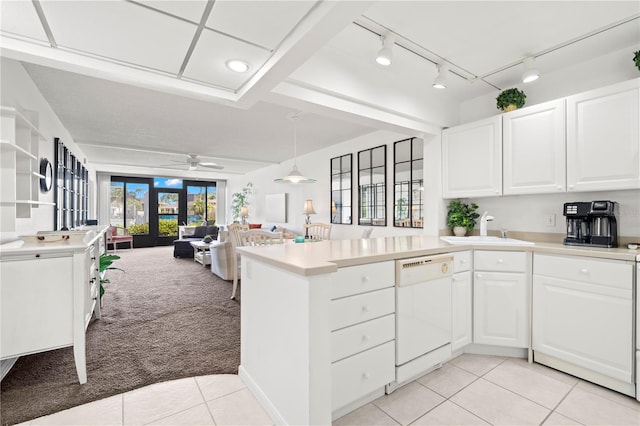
(162, 319)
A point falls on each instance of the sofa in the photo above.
(183, 248)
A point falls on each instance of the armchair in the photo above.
(117, 234)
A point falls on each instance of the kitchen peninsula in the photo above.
(315, 338)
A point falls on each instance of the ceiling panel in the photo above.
(20, 17)
(207, 62)
(265, 23)
(187, 9)
(121, 30)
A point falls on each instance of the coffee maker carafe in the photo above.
(578, 223)
(604, 228)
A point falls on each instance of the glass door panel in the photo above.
(168, 210)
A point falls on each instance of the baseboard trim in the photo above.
(6, 365)
(262, 398)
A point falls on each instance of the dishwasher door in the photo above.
(423, 308)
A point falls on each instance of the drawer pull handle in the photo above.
(365, 308)
(366, 375)
(478, 275)
(365, 279)
(584, 271)
(365, 338)
(463, 261)
(500, 261)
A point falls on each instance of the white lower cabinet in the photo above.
(362, 322)
(583, 318)
(501, 299)
(461, 301)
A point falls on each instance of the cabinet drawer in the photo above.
(591, 270)
(356, 376)
(362, 307)
(500, 261)
(462, 261)
(362, 278)
(360, 337)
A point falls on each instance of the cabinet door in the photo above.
(472, 159)
(461, 310)
(534, 149)
(603, 144)
(500, 309)
(588, 325)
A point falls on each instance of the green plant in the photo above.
(511, 96)
(636, 58)
(105, 263)
(462, 214)
(207, 239)
(239, 200)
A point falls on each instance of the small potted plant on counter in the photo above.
(636, 59)
(510, 99)
(461, 217)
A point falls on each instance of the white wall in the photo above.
(316, 165)
(602, 71)
(528, 213)
(19, 91)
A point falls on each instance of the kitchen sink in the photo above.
(476, 239)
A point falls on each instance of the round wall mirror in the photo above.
(46, 170)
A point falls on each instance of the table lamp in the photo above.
(308, 210)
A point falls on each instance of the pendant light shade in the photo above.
(530, 72)
(294, 175)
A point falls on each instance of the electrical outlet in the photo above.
(550, 219)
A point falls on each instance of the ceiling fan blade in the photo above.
(211, 166)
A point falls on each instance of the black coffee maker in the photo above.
(591, 223)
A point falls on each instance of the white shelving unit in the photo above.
(19, 177)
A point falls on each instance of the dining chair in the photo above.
(234, 236)
(318, 230)
(260, 237)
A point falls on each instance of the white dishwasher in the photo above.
(423, 315)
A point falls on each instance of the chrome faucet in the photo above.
(483, 223)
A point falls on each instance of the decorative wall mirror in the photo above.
(408, 183)
(71, 190)
(372, 184)
(341, 175)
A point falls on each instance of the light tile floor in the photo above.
(469, 390)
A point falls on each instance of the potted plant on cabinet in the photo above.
(510, 99)
(636, 59)
(239, 200)
(461, 217)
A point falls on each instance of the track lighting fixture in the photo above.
(440, 81)
(530, 72)
(385, 55)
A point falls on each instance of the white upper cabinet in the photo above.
(472, 159)
(603, 144)
(534, 149)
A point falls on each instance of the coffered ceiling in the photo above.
(145, 83)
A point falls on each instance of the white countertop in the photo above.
(313, 258)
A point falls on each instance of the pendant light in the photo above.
(294, 175)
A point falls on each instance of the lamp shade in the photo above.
(334, 209)
(295, 176)
(308, 207)
(244, 212)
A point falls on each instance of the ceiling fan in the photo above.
(193, 162)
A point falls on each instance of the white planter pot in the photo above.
(459, 231)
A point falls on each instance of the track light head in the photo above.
(530, 72)
(440, 81)
(385, 55)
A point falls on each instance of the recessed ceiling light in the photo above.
(237, 65)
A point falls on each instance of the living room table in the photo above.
(201, 252)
